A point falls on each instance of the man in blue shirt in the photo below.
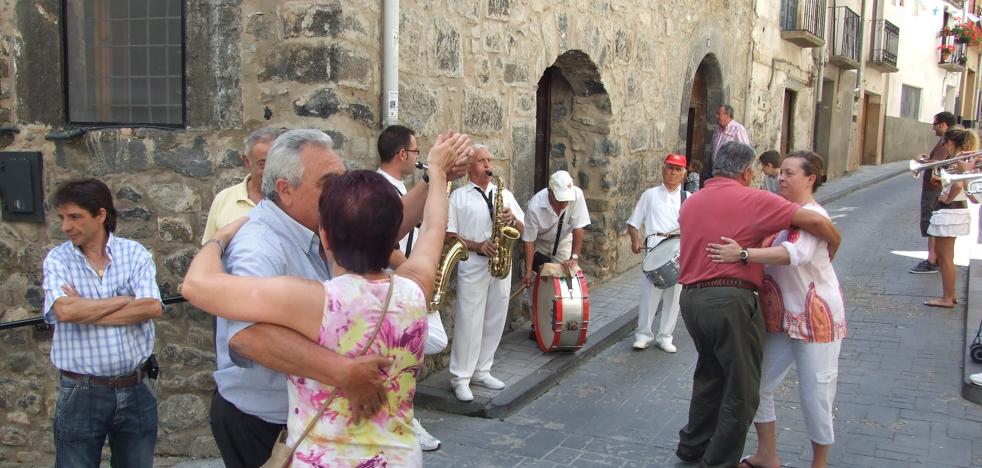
(100, 293)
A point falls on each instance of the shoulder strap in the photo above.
(559, 232)
(684, 194)
(371, 341)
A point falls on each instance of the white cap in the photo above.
(561, 185)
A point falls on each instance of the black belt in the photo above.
(955, 205)
(125, 381)
(722, 283)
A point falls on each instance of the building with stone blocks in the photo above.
(155, 99)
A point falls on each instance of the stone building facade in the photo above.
(608, 87)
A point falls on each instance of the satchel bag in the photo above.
(282, 454)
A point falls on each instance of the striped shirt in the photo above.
(103, 350)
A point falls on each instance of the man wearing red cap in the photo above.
(658, 212)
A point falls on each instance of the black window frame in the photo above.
(65, 79)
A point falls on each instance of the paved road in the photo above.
(898, 403)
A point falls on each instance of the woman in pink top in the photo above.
(360, 213)
(803, 314)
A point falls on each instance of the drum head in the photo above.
(661, 254)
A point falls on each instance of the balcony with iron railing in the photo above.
(884, 42)
(844, 50)
(952, 53)
(803, 22)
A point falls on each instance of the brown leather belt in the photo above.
(722, 283)
(111, 382)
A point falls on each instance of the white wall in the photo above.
(919, 22)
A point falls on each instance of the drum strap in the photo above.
(684, 194)
(559, 231)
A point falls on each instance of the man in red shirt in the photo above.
(720, 306)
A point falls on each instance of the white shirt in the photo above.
(542, 221)
(657, 211)
(469, 217)
(401, 188)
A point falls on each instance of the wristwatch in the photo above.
(575, 257)
(426, 178)
(744, 256)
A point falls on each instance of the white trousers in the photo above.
(482, 308)
(818, 372)
(436, 335)
(650, 297)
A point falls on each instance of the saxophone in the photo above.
(503, 237)
(452, 253)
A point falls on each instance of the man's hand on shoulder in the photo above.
(364, 385)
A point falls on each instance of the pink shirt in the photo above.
(724, 207)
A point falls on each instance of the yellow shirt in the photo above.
(229, 205)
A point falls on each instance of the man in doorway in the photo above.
(238, 200)
(101, 295)
(931, 189)
(482, 300)
(729, 130)
(657, 212)
(720, 306)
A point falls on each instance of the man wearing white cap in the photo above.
(554, 225)
(657, 211)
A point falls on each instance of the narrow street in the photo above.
(898, 398)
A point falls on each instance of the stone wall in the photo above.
(469, 65)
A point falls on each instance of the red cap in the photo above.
(676, 160)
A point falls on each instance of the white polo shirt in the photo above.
(401, 188)
(469, 216)
(657, 211)
(542, 222)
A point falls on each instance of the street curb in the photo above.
(533, 385)
(825, 199)
(973, 315)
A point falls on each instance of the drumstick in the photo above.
(517, 292)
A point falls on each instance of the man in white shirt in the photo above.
(657, 212)
(482, 300)
(554, 225)
(398, 153)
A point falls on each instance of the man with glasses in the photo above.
(930, 190)
(398, 153)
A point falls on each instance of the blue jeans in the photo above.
(85, 414)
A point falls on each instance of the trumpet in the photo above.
(917, 168)
(947, 178)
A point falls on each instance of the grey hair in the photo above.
(732, 159)
(260, 135)
(728, 109)
(283, 161)
(478, 146)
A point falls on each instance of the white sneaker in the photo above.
(463, 392)
(489, 381)
(976, 378)
(426, 441)
(641, 343)
(666, 345)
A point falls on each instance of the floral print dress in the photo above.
(351, 311)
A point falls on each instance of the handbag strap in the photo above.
(327, 402)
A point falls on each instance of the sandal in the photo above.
(746, 461)
(939, 304)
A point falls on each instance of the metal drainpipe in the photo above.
(819, 86)
(390, 62)
(857, 92)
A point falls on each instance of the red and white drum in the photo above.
(561, 309)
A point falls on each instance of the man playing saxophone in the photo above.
(482, 300)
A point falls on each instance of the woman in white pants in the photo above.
(803, 314)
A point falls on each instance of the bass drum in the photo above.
(561, 309)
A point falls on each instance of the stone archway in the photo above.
(701, 97)
(572, 117)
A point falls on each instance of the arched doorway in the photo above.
(702, 97)
(572, 111)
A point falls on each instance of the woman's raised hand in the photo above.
(450, 154)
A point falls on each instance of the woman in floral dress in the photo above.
(360, 213)
(803, 315)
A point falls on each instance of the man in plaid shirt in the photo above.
(100, 293)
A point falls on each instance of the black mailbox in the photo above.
(20, 186)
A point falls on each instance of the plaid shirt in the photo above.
(103, 350)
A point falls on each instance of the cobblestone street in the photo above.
(898, 398)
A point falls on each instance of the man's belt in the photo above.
(722, 283)
(125, 381)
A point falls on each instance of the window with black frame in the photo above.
(125, 62)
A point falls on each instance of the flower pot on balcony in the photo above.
(945, 53)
